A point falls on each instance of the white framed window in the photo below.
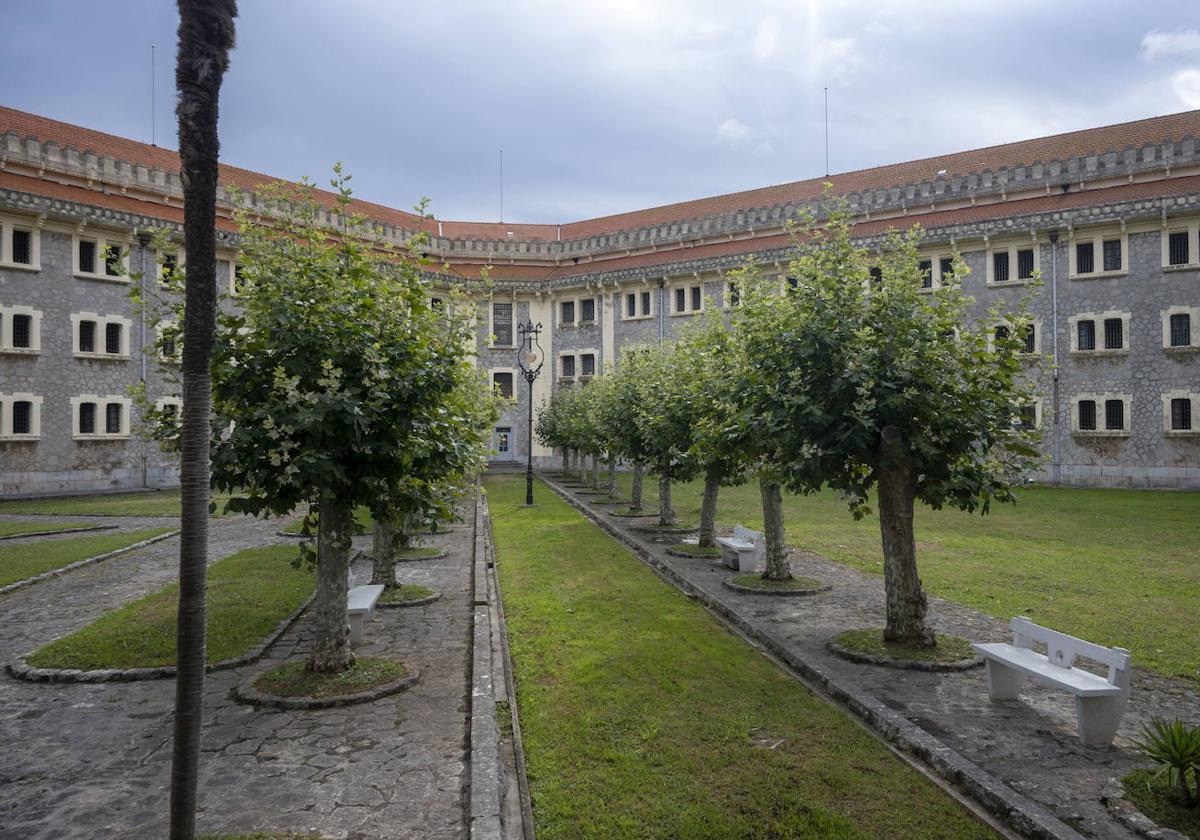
(1180, 246)
(1030, 333)
(568, 367)
(1098, 255)
(1100, 333)
(733, 295)
(20, 416)
(587, 311)
(1101, 415)
(1181, 412)
(100, 336)
(586, 364)
(637, 304)
(504, 382)
(169, 342)
(501, 325)
(20, 244)
(95, 417)
(101, 258)
(20, 329)
(935, 270)
(1014, 264)
(1181, 329)
(1028, 416)
(170, 407)
(687, 298)
(236, 274)
(169, 264)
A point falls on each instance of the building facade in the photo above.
(1108, 218)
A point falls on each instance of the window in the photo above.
(646, 304)
(1000, 267)
(926, 267)
(502, 382)
(1026, 264)
(680, 300)
(20, 417)
(568, 367)
(87, 256)
(1102, 332)
(101, 259)
(687, 300)
(587, 363)
(1114, 334)
(639, 305)
(502, 324)
(20, 329)
(1087, 415)
(437, 304)
(112, 338)
(1181, 329)
(1112, 255)
(946, 267)
(1098, 255)
(1177, 328)
(735, 297)
(87, 336)
(112, 418)
(1181, 414)
(503, 436)
(1177, 248)
(587, 310)
(101, 336)
(1002, 333)
(1086, 336)
(793, 283)
(1026, 418)
(22, 247)
(1114, 415)
(1085, 258)
(567, 312)
(87, 418)
(170, 268)
(697, 298)
(1029, 334)
(236, 280)
(876, 274)
(97, 417)
(112, 260)
(631, 305)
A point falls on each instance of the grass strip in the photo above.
(21, 561)
(643, 717)
(404, 593)
(17, 528)
(293, 679)
(756, 581)
(694, 550)
(249, 593)
(141, 503)
(870, 641)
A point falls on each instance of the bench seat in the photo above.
(736, 545)
(360, 608)
(742, 552)
(1072, 680)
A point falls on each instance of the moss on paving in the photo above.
(16, 528)
(293, 679)
(643, 717)
(249, 593)
(1115, 567)
(140, 503)
(404, 593)
(22, 560)
(870, 641)
(755, 581)
(1157, 800)
(694, 550)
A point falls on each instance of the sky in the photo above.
(604, 107)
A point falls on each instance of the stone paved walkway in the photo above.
(93, 761)
(1031, 745)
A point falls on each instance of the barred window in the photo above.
(876, 274)
(170, 266)
(112, 260)
(735, 296)
(793, 283)
(1026, 417)
(1114, 334)
(588, 364)
(87, 336)
(22, 417)
(1114, 415)
(1181, 414)
(503, 383)
(502, 324)
(1087, 415)
(567, 310)
(681, 300)
(645, 303)
(87, 256)
(568, 366)
(926, 267)
(587, 309)
(238, 276)
(87, 418)
(22, 331)
(112, 338)
(1112, 255)
(1025, 264)
(1177, 248)
(1000, 267)
(946, 267)
(630, 305)
(22, 246)
(1181, 330)
(1085, 258)
(112, 418)
(1029, 334)
(1002, 333)
(697, 295)
(168, 346)
(1086, 335)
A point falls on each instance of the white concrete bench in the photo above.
(1099, 702)
(743, 552)
(360, 608)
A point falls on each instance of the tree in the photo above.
(869, 382)
(664, 416)
(206, 35)
(331, 383)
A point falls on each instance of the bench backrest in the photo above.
(1062, 649)
(745, 534)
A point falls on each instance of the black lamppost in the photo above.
(529, 359)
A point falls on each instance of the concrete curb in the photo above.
(416, 602)
(62, 531)
(1126, 813)
(1017, 812)
(248, 694)
(22, 671)
(775, 593)
(79, 564)
(486, 766)
(903, 664)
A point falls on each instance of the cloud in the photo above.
(1156, 44)
(766, 39)
(732, 130)
(1186, 84)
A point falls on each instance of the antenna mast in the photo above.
(501, 185)
(826, 131)
(153, 103)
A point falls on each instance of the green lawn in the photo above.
(642, 717)
(14, 528)
(23, 560)
(249, 593)
(141, 503)
(1117, 567)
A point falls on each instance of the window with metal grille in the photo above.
(1025, 264)
(1086, 335)
(1181, 329)
(587, 309)
(112, 338)
(170, 265)
(876, 274)
(437, 304)
(112, 418)
(1114, 415)
(1177, 248)
(1181, 415)
(22, 331)
(502, 324)
(1112, 255)
(87, 418)
(946, 267)
(170, 411)
(645, 303)
(630, 305)
(568, 366)
(735, 296)
(503, 434)
(168, 346)
(1114, 334)
(22, 417)
(1000, 267)
(697, 293)
(587, 364)
(22, 246)
(1001, 334)
(681, 300)
(112, 260)
(503, 383)
(1029, 334)
(1026, 417)
(567, 312)
(238, 276)
(926, 267)
(87, 256)
(87, 336)
(1087, 415)
(1085, 258)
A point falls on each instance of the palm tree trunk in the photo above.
(906, 603)
(776, 565)
(383, 553)
(666, 515)
(331, 637)
(708, 507)
(206, 34)
(635, 493)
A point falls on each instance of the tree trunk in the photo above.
(906, 604)
(776, 565)
(708, 507)
(206, 34)
(383, 553)
(635, 493)
(567, 461)
(612, 476)
(666, 515)
(595, 472)
(331, 634)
